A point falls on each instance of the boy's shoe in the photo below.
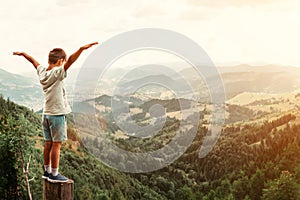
(57, 179)
(45, 175)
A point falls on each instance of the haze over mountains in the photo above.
(271, 79)
(23, 90)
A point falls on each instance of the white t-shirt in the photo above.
(54, 90)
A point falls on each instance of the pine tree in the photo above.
(17, 153)
(285, 187)
(117, 194)
(256, 185)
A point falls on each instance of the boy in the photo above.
(55, 106)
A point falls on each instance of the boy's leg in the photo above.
(47, 152)
(58, 131)
(55, 154)
(47, 146)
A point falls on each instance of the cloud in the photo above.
(197, 10)
(158, 9)
(150, 10)
(233, 3)
(36, 26)
(72, 2)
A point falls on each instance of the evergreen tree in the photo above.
(285, 187)
(256, 185)
(18, 156)
(117, 194)
(85, 193)
(17, 151)
(185, 193)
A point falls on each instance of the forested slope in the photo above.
(21, 138)
(250, 161)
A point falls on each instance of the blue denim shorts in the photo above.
(55, 127)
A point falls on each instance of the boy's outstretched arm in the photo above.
(75, 55)
(28, 57)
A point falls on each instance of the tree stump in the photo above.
(58, 191)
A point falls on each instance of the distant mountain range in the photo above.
(246, 78)
(20, 89)
(236, 79)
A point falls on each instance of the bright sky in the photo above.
(230, 31)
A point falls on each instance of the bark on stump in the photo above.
(58, 191)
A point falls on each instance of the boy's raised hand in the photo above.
(18, 53)
(88, 45)
(28, 57)
(75, 55)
